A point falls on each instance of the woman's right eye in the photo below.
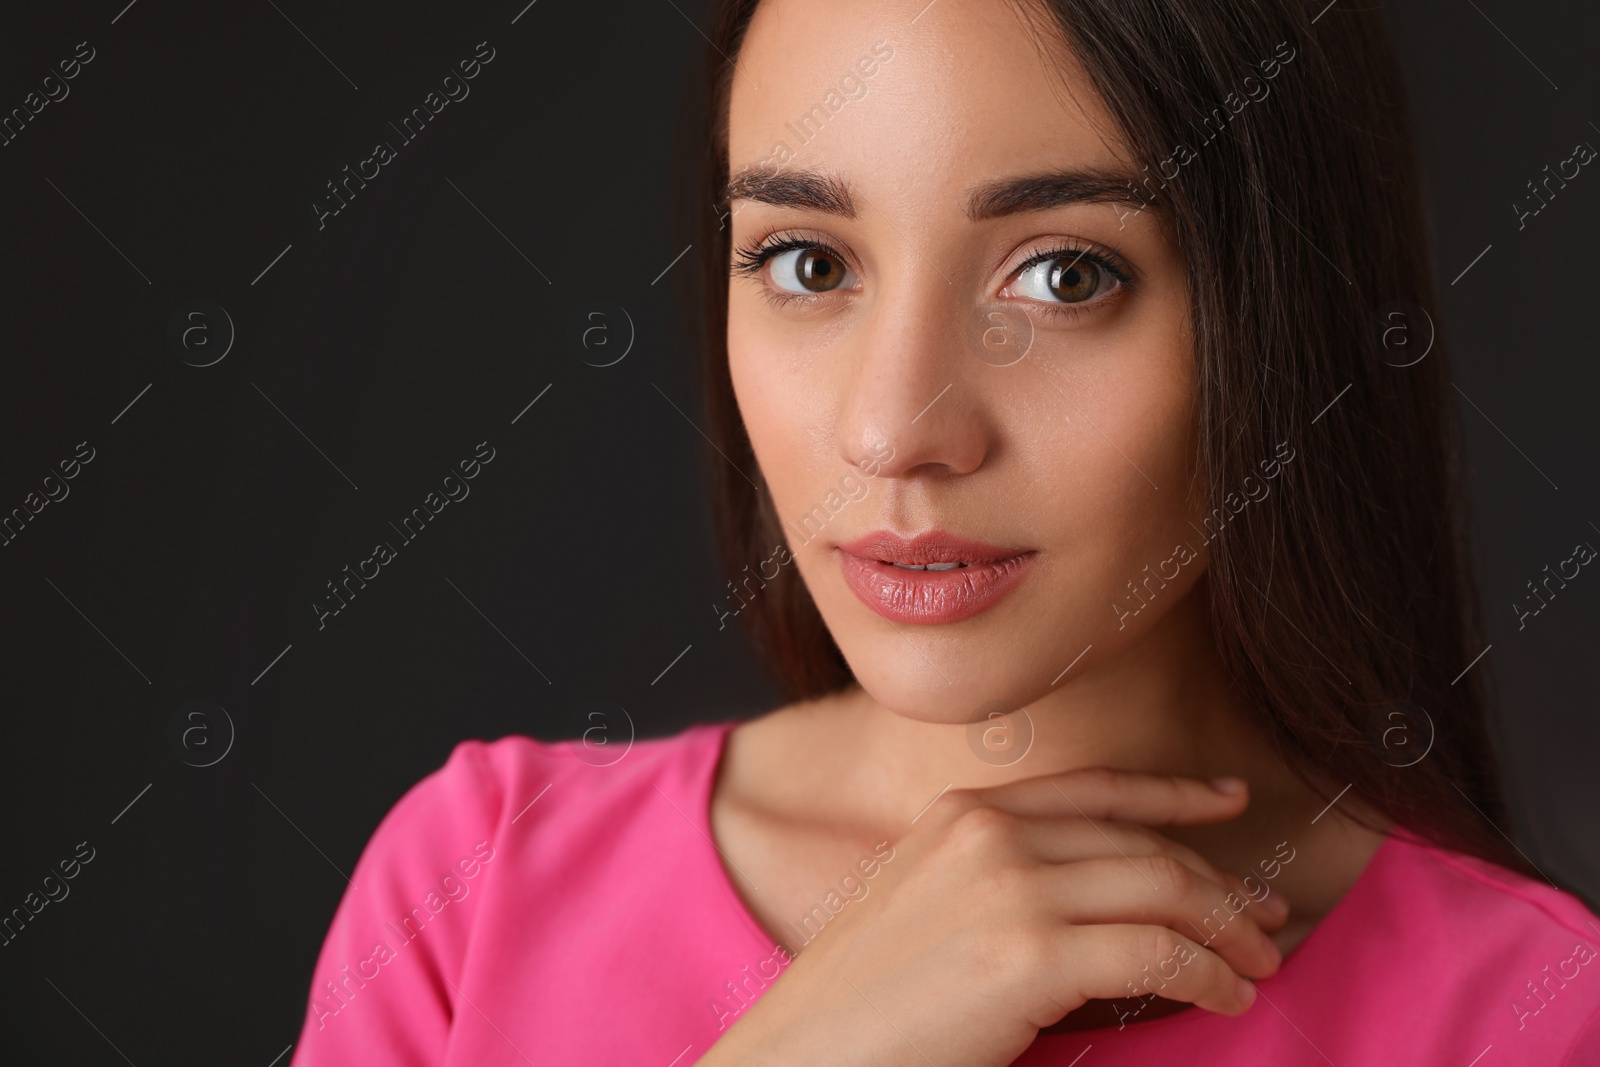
(808, 270)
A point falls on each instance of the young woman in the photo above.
(1067, 477)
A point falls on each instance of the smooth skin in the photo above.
(1028, 892)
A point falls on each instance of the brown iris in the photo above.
(1074, 282)
(818, 271)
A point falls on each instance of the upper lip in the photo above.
(933, 546)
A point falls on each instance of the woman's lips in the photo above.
(986, 575)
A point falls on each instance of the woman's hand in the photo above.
(1005, 909)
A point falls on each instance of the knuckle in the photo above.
(960, 799)
(944, 810)
(1171, 875)
(953, 803)
(981, 825)
(1158, 945)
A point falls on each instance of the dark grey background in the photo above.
(379, 350)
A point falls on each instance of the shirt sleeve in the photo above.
(383, 990)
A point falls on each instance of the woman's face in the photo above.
(931, 328)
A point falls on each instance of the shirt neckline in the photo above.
(718, 744)
(1286, 979)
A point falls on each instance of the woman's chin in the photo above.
(966, 698)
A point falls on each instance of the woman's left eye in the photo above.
(1063, 278)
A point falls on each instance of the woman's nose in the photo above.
(913, 400)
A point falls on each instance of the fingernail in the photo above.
(1247, 993)
(1228, 784)
(1272, 949)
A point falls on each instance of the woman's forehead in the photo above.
(896, 95)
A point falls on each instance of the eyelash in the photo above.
(752, 259)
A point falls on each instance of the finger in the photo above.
(1161, 890)
(1058, 840)
(1122, 796)
(1074, 840)
(1117, 960)
(1272, 908)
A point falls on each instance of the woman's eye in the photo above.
(807, 270)
(1064, 281)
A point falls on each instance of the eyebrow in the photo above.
(1007, 196)
(1039, 192)
(803, 189)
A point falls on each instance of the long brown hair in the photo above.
(1345, 612)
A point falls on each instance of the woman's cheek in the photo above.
(774, 414)
(752, 365)
(1124, 466)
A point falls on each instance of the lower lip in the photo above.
(932, 597)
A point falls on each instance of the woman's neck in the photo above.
(1163, 705)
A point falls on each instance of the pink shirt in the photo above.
(522, 905)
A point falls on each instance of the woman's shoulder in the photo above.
(487, 843)
(503, 781)
(1503, 906)
(1485, 946)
